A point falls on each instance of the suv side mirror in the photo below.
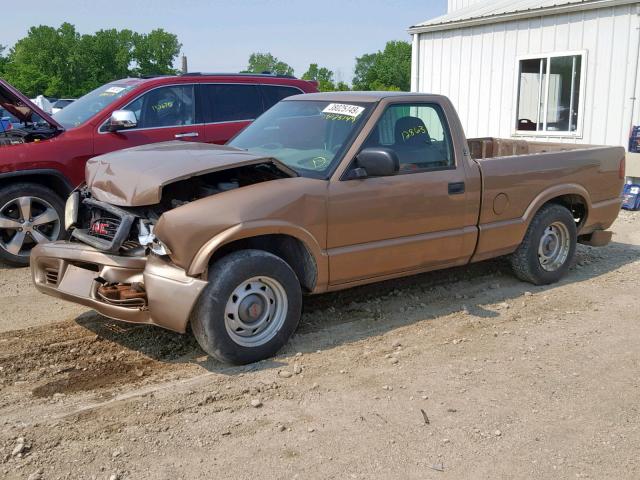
(377, 162)
(121, 120)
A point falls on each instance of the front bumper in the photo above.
(71, 271)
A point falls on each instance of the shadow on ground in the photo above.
(343, 317)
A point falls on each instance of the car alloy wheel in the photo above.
(25, 222)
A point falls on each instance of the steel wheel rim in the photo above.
(553, 249)
(25, 222)
(256, 311)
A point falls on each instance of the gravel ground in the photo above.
(466, 373)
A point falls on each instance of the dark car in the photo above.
(43, 158)
(61, 103)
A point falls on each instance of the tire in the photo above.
(537, 260)
(249, 309)
(39, 204)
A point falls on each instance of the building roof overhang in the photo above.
(508, 10)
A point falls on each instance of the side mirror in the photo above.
(377, 162)
(121, 120)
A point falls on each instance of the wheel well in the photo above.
(54, 182)
(290, 249)
(576, 204)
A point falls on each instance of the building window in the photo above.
(549, 94)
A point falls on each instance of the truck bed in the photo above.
(490, 147)
(519, 176)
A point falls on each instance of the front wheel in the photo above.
(29, 214)
(249, 309)
(545, 254)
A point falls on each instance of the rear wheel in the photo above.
(249, 309)
(545, 254)
(29, 214)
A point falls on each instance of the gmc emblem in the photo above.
(99, 228)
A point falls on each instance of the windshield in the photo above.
(62, 103)
(93, 102)
(308, 136)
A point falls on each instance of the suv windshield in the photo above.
(308, 136)
(93, 102)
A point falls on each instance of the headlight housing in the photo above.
(71, 210)
(159, 248)
(148, 239)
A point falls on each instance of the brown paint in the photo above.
(115, 179)
(357, 231)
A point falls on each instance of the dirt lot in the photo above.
(467, 373)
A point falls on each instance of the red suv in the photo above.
(43, 160)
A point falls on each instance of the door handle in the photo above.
(186, 135)
(456, 188)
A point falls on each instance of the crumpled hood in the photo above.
(21, 107)
(135, 176)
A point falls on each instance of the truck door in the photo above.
(412, 221)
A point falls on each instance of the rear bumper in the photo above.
(69, 271)
(601, 215)
(599, 238)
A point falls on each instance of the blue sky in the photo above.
(220, 35)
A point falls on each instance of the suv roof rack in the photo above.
(244, 74)
(152, 75)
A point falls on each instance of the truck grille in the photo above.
(109, 227)
(104, 227)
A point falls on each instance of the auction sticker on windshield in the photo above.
(113, 90)
(343, 109)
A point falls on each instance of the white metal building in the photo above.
(559, 70)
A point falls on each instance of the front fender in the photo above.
(257, 228)
(289, 206)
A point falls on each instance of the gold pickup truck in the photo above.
(320, 193)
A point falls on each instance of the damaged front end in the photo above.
(116, 265)
(109, 265)
(129, 230)
(139, 289)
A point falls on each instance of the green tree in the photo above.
(3, 60)
(363, 74)
(59, 62)
(265, 62)
(322, 75)
(155, 52)
(46, 61)
(107, 54)
(386, 70)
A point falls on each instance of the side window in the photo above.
(418, 134)
(274, 93)
(165, 107)
(228, 103)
